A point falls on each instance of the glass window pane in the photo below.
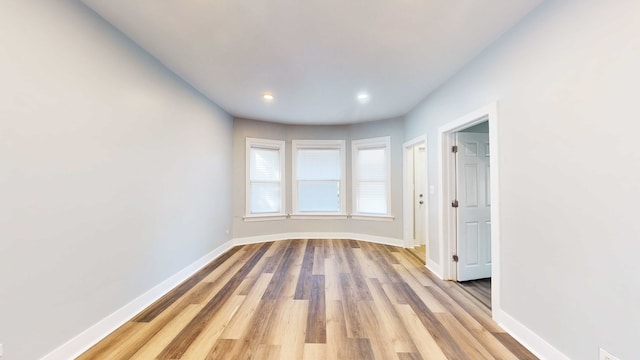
(265, 164)
(318, 164)
(265, 198)
(319, 196)
(372, 198)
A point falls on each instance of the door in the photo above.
(474, 206)
(419, 195)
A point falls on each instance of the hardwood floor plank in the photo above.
(241, 320)
(279, 280)
(352, 317)
(224, 348)
(426, 345)
(202, 344)
(175, 294)
(409, 356)
(390, 320)
(256, 331)
(379, 340)
(313, 299)
(183, 340)
(268, 352)
(519, 351)
(115, 343)
(162, 338)
(314, 352)
(438, 332)
(354, 268)
(359, 349)
(336, 331)
(276, 257)
(316, 331)
(293, 330)
(319, 256)
(303, 286)
(463, 338)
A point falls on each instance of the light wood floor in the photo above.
(479, 289)
(420, 252)
(312, 299)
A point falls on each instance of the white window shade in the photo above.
(319, 196)
(265, 183)
(265, 164)
(318, 164)
(265, 198)
(318, 177)
(372, 165)
(371, 178)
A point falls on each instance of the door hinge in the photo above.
(454, 203)
(455, 258)
(454, 149)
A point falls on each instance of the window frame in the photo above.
(297, 145)
(257, 143)
(364, 144)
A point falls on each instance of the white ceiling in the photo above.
(315, 56)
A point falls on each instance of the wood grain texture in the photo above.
(312, 299)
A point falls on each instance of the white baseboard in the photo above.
(318, 235)
(534, 343)
(434, 268)
(83, 341)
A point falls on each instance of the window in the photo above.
(265, 179)
(371, 177)
(318, 169)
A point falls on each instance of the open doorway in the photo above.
(469, 204)
(471, 152)
(415, 197)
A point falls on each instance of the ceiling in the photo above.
(314, 56)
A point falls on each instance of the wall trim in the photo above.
(447, 222)
(525, 336)
(434, 268)
(318, 235)
(89, 337)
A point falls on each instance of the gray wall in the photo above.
(566, 81)
(249, 128)
(114, 174)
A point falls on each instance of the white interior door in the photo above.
(419, 195)
(474, 206)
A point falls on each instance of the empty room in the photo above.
(319, 180)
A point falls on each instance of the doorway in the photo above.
(415, 197)
(471, 153)
(468, 198)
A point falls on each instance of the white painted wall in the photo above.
(566, 81)
(114, 174)
(257, 129)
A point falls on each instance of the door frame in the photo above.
(407, 190)
(447, 226)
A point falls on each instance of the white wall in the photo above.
(566, 81)
(257, 129)
(114, 174)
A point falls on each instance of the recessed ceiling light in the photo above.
(363, 97)
(268, 97)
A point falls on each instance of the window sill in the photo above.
(318, 216)
(251, 218)
(372, 217)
